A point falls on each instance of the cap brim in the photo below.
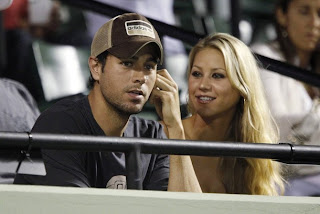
(132, 48)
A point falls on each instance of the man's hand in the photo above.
(165, 97)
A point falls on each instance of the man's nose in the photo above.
(140, 77)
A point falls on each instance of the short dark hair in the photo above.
(101, 59)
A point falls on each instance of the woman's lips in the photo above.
(205, 99)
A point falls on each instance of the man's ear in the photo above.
(281, 17)
(94, 67)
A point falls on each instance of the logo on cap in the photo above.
(139, 28)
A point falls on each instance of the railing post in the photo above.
(235, 17)
(3, 51)
(133, 168)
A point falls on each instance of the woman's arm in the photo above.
(182, 176)
(165, 97)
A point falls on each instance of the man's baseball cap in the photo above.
(123, 36)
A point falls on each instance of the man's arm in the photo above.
(63, 168)
(160, 173)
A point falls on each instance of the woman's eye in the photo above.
(195, 73)
(303, 10)
(218, 76)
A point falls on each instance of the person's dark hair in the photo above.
(101, 59)
(286, 45)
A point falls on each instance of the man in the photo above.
(123, 65)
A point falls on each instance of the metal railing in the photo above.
(133, 147)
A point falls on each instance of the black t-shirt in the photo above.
(94, 169)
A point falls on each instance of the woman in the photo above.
(298, 33)
(226, 103)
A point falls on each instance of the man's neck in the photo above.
(111, 121)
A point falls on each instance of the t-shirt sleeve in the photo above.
(63, 167)
(160, 174)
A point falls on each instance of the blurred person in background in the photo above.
(18, 113)
(294, 104)
(18, 109)
(24, 21)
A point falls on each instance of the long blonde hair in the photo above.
(252, 122)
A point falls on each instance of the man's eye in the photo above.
(150, 67)
(127, 64)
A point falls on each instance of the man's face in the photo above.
(126, 84)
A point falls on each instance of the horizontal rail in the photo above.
(284, 152)
(29, 145)
(289, 70)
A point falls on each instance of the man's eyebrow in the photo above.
(153, 59)
(150, 59)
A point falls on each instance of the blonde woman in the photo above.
(226, 103)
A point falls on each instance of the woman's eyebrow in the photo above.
(212, 69)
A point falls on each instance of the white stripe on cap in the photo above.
(139, 28)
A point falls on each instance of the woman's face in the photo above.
(210, 91)
(302, 22)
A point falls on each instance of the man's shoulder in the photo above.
(64, 114)
(67, 105)
(141, 127)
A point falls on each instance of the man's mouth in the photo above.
(136, 93)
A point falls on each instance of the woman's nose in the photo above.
(205, 84)
(315, 19)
